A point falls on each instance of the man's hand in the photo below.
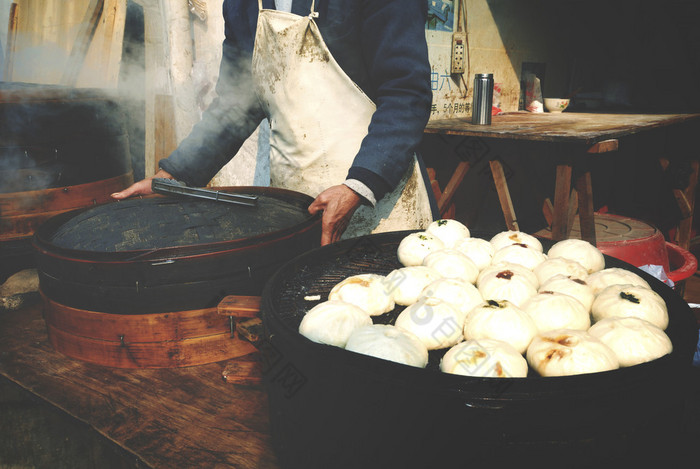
(338, 203)
(143, 187)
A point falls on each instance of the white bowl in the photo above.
(556, 104)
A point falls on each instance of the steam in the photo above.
(20, 168)
(28, 169)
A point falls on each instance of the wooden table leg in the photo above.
(685, 227)
(499, 179)
(571, 213)
(452, 186)
(562, 192)
(585, 207)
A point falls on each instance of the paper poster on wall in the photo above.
(441, 16)
(450, 97)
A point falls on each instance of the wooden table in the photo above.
(575, 138)
(175, 417)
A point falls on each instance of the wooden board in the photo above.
(86, 31)
(581, 128)
(164, 116)
(174, 417)
(10, 44)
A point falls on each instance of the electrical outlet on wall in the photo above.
(459, 52)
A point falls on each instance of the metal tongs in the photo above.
(170, 187)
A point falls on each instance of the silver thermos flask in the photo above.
(482, 102)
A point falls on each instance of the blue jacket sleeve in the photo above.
(395, 53)
(233, 115)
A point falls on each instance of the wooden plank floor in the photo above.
(176, 417)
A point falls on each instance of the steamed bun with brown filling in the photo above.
(521, 254)
(614, 276)
(406, 283)
(506, 284)
(559, 266)
(633, 340)
(436, 323)
(506, 238)
(563, 352)
(388, 343)
(575, 287)
(630, 301)
(518, 269)
(451, 263)
(486, 358)
(414, 247)
(500, 320)
(449, 231)
(580, 251)
(332, 322)
(368, 291)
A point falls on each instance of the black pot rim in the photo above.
(42, 244)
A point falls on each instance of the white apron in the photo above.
(318, 118)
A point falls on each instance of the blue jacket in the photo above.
(380, 44)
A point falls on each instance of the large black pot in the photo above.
(334, 408)
(161, 254)
(61, 148)
(60, 136)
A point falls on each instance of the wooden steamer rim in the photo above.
(23, 212)
(158, 340)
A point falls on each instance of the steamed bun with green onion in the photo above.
(414, 247)
(630, 301)
(449, 231)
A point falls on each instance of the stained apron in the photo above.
(318, 119)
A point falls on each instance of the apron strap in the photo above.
(313, 14)
(260, 4)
